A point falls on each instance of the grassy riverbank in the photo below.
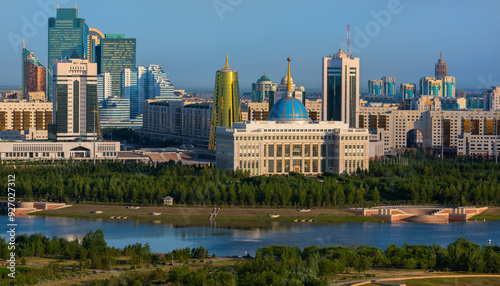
(193, 215)
(489, 214)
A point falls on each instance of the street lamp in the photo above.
(94, 133)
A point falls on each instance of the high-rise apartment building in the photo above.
(261, 89)
(407, 91)
(384, 86)
(441, 69)
(34, 74)
(75, 99)
(67, 33)
(491, 99)
(226, 106)
(340, 88)
(116, 53)
(443, 87)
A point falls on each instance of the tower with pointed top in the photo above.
(226, 106)
(340, 88)
(441, 69)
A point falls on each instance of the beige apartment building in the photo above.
(17, 116)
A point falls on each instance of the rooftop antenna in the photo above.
(348, 42)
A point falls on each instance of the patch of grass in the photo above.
(462, 281)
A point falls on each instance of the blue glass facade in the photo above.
(66, 33)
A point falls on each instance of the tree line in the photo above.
(455, 182)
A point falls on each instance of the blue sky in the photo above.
(189, 39)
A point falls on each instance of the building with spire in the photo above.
(340, 88)
(441, 69)
(34, 75)
(261, 89)
(67, 33)
(226, 105)
(288, 141)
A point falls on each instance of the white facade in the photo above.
(103, 86)
(74, 107)
(272, 147)
(340, 88)
(44, 150)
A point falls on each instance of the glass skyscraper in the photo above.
(226, 106)
(116, 53)
(67, 33)
(261, 89)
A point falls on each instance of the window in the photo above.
(307, 166)
(271, 150)
(323, 150)
(315, 150)
(330, 150)
(315, 166)
(270, 166)
(287, 150)
(307, 150)
(279, 150)
(279, 166)
(323, 165)
(297, 150)
(287, 166)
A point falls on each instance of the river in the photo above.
(225, 240)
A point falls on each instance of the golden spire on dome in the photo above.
(226, 65)
(288, 79)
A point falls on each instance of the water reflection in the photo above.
(228, 238)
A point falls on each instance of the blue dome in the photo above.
(288, 109)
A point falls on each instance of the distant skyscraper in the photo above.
(376, 86)
(114, 109)
(448, 86)
(226, 106)
(159, 85)
(389, 85)
(116, 53)
(93, 40)
(340, 88)
(103, 87)
(75, 90)
(34, 74)
(441, 69)
(133, 86)
(407, 91)
(298, 92)
(261, 89)
(431, 86)
(67, 33)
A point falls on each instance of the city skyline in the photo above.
(190, 41)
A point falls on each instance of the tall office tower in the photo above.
(260, 89)
(441, 69)
(226, 106)
(281, 91)
(67, 33)
(75, 99)
(448, 86)
(407, 91)
(34, 74)
(376, 86)
(93, 40)
(114, 109)
(340, 88)
(115, 53)
(431, 86)
(103, 87)
(389, 85)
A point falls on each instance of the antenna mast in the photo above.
(348, 42)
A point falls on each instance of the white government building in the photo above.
(290, 141)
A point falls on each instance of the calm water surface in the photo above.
(232, 241)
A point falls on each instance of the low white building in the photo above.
(47, 150)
